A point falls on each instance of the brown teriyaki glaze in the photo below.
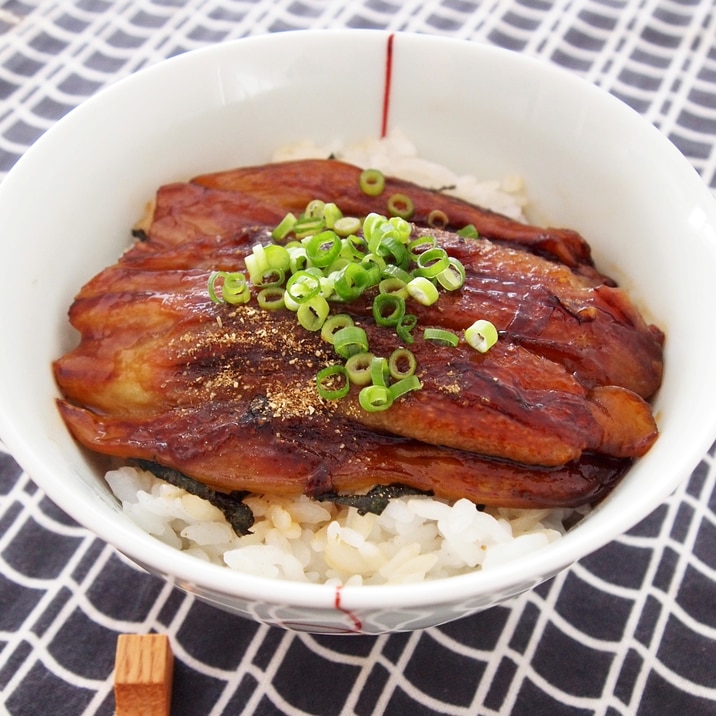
(552, 415)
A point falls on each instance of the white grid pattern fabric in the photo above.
(628, 630)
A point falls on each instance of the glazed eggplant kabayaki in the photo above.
(552, 415)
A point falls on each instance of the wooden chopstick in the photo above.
(143, 670)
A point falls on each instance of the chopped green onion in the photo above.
(393, 271)
(393, 250)
(289, 303)
(468, 232)
(379, 371)
(265, 258)
(374, 398)
(481, 335)
(271, 298)
(339, 264)
(351, 282)
(256, 263)
(401, 205)
(402, 228)
(359, 368)
(271, 277)
(395, 286)
(405, 327)
(372, 224)
(388, 309)
(420, 245)
(380, 231)
(402, 363)
(284, 227)
(323, 248)
(453, 277)
(375, 265)
(354, 247)
(432, 262)
(346, 225)
(308, 226)
(333, 324)
(213, 277)
(422, 290)
(312, 314)
(234, 288)
(403, 386)
(372, 182)
(350, 340)
(326, 377)
(298, 260)
(327, 286)
(438, 219)
(331, 214)
(302, 286)
(441, 336)
(277, 257)
(314, 209)
(315, 271)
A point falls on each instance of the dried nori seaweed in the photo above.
(375, 500)
(238, 514)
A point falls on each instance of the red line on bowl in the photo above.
(386, 87)
(357, 625)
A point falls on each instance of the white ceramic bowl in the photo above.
(590, 163)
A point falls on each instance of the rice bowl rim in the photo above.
(116, 530)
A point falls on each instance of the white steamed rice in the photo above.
(415, 538)
(397, 156)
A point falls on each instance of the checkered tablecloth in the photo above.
(628, 630)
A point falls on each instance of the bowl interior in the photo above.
(589, 163)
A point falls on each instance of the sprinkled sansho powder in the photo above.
(300, 539)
